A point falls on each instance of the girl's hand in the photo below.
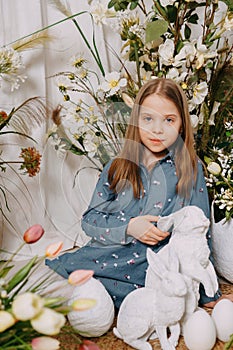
(143, 229)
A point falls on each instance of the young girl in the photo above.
(156, 173)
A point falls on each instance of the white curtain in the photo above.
(49, 198)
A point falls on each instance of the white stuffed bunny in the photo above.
(146, 310)
(189, 227)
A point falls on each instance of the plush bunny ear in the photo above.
(165, 223)
(174, 263)
(156, 263)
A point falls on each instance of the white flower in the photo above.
(228, 24)
(187, 53)
(165, 3)
(214, 168)
(90, 145)
(100, 13)
(213, 112)
(173, 73)
(194, 120)
(77, 60)
(6, 320)
(58, 145)
(62, 5)
(199, 93)
(27, 305)
(138, 30)
(10, 61)
(113, 83)
(10, 67)
(203, 53)
(48, 322)
(145, 75)
(166, 52)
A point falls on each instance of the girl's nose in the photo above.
(157, 127)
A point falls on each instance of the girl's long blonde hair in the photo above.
(125, 168)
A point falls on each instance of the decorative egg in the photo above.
(199, 331)
(222, 315)
(97, 320)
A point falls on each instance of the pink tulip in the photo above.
(79, 277)
(53, 249)
(42, 343)
(88, 345)
(33, 234)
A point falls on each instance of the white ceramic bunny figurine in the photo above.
(146, 310)
(189, 227)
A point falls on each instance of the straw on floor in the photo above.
(110, 342)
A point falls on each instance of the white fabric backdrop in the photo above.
(48, 199)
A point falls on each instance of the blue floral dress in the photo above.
(119, 260)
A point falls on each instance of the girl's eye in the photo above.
(147, 118)
(169, 120)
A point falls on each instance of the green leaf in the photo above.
(5, 271)
(21, 274)
(207, 160)
(172, 13)
(187, 32)
(155, 29)
(193, 19)
(133, 5)
(111, 3)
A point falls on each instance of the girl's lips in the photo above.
(156, 140)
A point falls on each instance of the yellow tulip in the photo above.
(26, 306)
(6, 320)
(83, 304)
(48, 322)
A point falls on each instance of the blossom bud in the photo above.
(214, 168)
(6, 320)
(48, 343)
(88, 345)
(48, 322)
(33, 234)
(128, 100)
(79, 277)
(53, 249)
(27, 305)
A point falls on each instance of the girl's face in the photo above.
(159, 123)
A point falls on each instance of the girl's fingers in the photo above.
(159, 234)
(151, 218)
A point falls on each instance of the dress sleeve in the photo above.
(105, 220)
(200, 198)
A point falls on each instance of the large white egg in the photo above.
(199, 331)
(222, 315)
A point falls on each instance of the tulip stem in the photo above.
(12, 256)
